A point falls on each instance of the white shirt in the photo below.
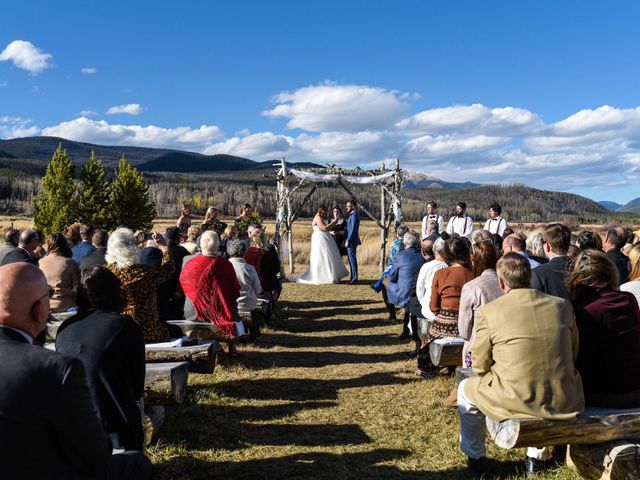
(423, 285)
(249, 282)
(425, 221)
(463, 225)
(496, 225)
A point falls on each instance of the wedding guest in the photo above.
(139, 283)
(432, 215)
(608, 322)
(445, 298)
(85, 247)
(401, 282)
(184, 222)
(193, 232)
(517, 243)
(615, 239)
(396, 247)
(230, 233)
(496, 223)
(257, 252)
(271, 284)
(11, 239)
(633, 285)
(535, 248)
(170, 296)
(99, 240)
(433, 230)
(250, 287)
(586, 240)
(483, 289)
(73, 234)
(111, 348)
(425, 277)
(61, 273)
(211, 288)
(28, 242)
(460, 223)
(550, 277)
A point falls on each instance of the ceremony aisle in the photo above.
(328, 394)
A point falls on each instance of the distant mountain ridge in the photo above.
(632, 206)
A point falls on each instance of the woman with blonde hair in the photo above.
(633, 285)
(608, 322)
(184, 222)
(61, 272)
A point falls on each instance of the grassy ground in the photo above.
(329, 394)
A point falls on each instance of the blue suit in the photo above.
(81, 250)
(403, 276)
(352, 238)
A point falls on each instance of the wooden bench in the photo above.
(165, 383)
(599, 440)
(201, 358)
(199, 330)
(463, 373)
(446, 352)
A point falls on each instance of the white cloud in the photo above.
(129, 109)
(17, 127)
(102, 132)
(259, 146)
(87, 113)
(344, 108)
(89, 70)
(451, 145)
(27, 56)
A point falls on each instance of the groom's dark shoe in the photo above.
(353, 281)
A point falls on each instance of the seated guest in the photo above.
(517, 243)
(111, 348)
(483, 289)
(609, 325)
(50, 427)
(140, 282)
(256, 253)
(271, 284)
(99, 240)
(633, 285)
(11, 239)
(522, 358)
(550, 277)
(193, 232)
(28, 242)
(535, 249)
(250, 286)
(229, 233)
(211, 288)
(433, 230)
(615, 239)
(401, 282)
(445, 299)
(396, 247)
(73, 234)
(425, 277)
(61, 272)
(85, 247)
(586, 240)
(170, 297)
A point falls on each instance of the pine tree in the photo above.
(130, 203)
(55, 206)
(94, 194)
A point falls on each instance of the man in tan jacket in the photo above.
(526, 343)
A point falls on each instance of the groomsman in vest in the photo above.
(352, 238)
(496, 224)
(432, 214)
(460, 223)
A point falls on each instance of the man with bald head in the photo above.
(48, 423)
(517, 243)
(27, 243)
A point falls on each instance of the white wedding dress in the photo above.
(325, 263)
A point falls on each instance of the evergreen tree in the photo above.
(55, 205)
(130, 203)
(94, 194)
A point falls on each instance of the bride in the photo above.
(325, 262)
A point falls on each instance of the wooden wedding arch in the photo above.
(289, 180)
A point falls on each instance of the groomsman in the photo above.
(352, 238)
(496, 224)
(460, 223)
(432, 214)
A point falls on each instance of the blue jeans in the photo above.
(353, 261)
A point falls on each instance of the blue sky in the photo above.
(544, 93)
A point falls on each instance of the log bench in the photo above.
(201, 358)
(198, 330)
(446, 352)
(599, 440)
(165, 383)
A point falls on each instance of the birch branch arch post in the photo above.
(290, 180)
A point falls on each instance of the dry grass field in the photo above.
(328, 394)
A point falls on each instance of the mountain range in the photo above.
(632, 206)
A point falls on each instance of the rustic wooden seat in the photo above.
(165, 383)
(199, 330)
(201, 358)
(446, 352)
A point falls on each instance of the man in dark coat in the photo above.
(29, 241)
(50, 428)
(11, 238)
(549, 278)
(99, 241)
(614, 241)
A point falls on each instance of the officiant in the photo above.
(338, 229)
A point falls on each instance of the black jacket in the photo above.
(549, 277)
(111, 347)
(49, 426)
(19, 255)
(621, 261)
(95, 258)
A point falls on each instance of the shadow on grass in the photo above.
(317, 465)
(305, 341)
(266, 359)
(296, 323)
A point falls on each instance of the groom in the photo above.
(352, 238)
